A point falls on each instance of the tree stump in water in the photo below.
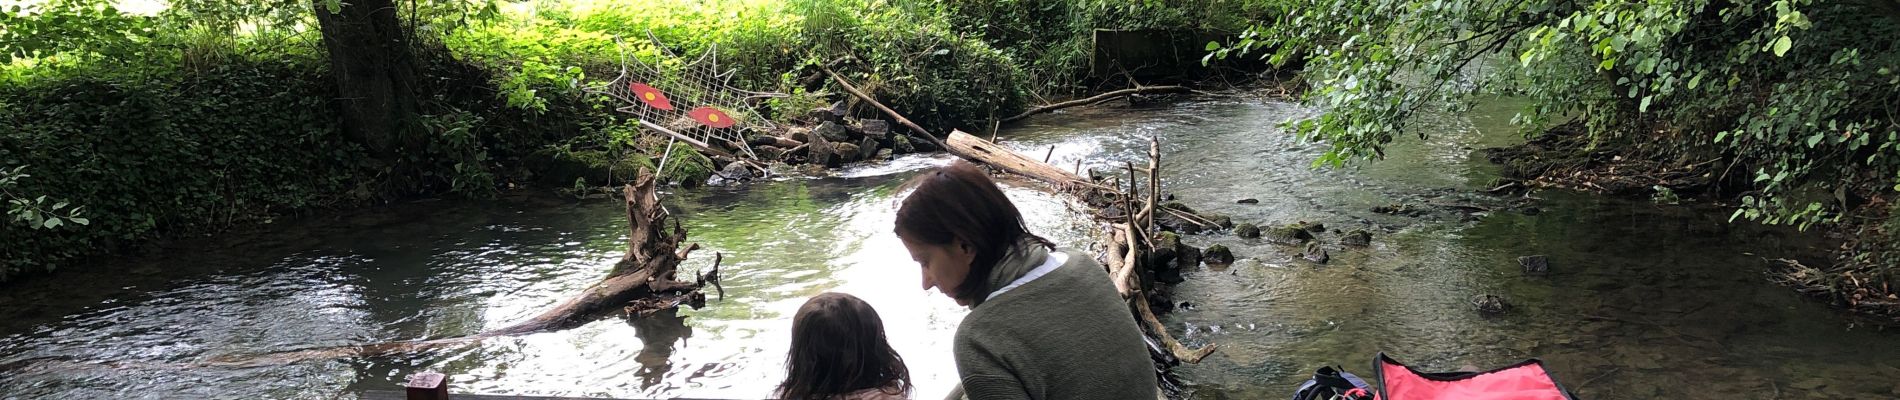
(643, 282)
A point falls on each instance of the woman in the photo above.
(1043, 324)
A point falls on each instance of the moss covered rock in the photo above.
(1290, 234)
(1218, 254)
(1357, 238)
(687, 167)
(1247, 230)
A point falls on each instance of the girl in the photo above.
(839, 353)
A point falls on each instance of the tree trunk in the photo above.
(375, 73)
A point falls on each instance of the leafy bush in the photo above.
(1797, 94)
(255, 137)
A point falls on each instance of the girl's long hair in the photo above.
(838, 347)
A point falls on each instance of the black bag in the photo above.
(1331, 383)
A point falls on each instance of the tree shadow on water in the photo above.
(658, 333)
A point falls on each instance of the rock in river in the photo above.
(1490, 304)
(1246, 230)
(1357, 237)
(1535, 265)
(1315, 253)
(1218, 254)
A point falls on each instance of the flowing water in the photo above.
(1643, 301)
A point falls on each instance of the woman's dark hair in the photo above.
(838, 347)
(960, 202)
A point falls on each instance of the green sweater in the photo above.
(1065, 335)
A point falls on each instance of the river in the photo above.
(1644, 300)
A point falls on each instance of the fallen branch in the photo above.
(1097, 98)
(1160, 331)
(645, 278)
(1123, 282)
(976, 149)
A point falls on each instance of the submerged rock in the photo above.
(1222, 221)
(1315, 253)
(1535, 265)
(1314, 227)
(1248, 201)
(733, 172)
(1357, 238)
(1218, 254)
(1172, 223)
(1289, 234)
(1490, 304)
(1247, 230)
(1185, 255)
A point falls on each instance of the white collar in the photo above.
(1049, 264)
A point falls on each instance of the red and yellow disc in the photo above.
(712, 117)
(649, 95)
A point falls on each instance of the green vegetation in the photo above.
(117, 127)
(1786, 107)
(1797, 95)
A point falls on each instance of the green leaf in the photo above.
(1607, 64)
(52, 223)
(1813, 140)
(1696, 81)
(81, 221)
(1720, 135)
(1212, 45)
(1782, 45)
(1645, 106)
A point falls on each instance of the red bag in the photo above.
(1526, 380)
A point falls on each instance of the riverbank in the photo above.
(176, 123)
(1860, 274)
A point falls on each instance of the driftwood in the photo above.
(1175, 347)
(644, 281)
(649, 268)
(887, 110)
(976, 149)
(1097, 99)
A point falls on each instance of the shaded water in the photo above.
(1644, 301)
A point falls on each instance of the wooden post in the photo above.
(428, 386)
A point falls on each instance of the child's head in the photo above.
(838, 347)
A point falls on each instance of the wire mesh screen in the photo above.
(689, 99)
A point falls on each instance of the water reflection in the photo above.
(657, 334)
